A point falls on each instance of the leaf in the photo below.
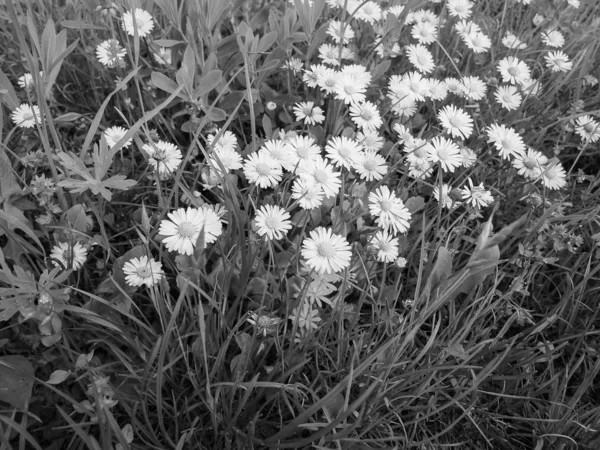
(58, 376)
(80, 24)
(415, 204)
(8, 181)
(16, 380)
(166, 43)
(207, 83)
(163, 82)
(9, 97)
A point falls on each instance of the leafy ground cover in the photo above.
(319, 224)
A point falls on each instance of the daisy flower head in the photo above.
(264, 324)
(226, 157)
(469, 157)
(308, 113)
(587, 128)
(273, 221)
(165, 157)
(466, 27)
(335, 30)
(142, 270)
(531, 164)
(396, 10)
(444, 199)
(163, 56)
(69, 256)
(420, 169)
(307, 317)
(369, 12)
(320, 173)
(506, 140)
(264, 170)
(424, 32)
(531, 87)
(25, 116)
(513, 42)
(349, 89)
(279, 151)
(460, 8)
(369, 140)
(478, 42)
(303, 150)
(110, 53)
(389, 210)
(326, 79)
(293, 64)
(438, 90)
(477, 196)
(416, 85)
(143, 22)
(508, 97)
(330, 54)
(386, 246)
(326, 252)
(227, 140)
(513, 70)
(553, 38)
(574, 3)
(27, 82)
(456, 121)
(554, 176)
(558, 61)
(365, 115)
(343, 151)
(183, 227)
(370, 166)
(404, 134)
(445, 152)
(473, 87)
(309, 195)
(114, 135)
(420, 57)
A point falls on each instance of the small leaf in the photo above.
(58, 376)
(167, 42)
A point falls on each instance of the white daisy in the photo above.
(343, 151)
(142, 270)
(307, 317)
(280, 152)
(365, 115)
(309, 195)
(460, 8)
(386, 246)
(303, 150)
(478, 42)
(587, 128)
(165, 157)
(308, 113)
(558, 61)
(370, 166)
(553, 38)
(326, 78)
(390, 212)
(531, 164)
(273, 221)
(227, 140)
(326, 252)
(477, 196)
(349, 89)
(320, 173)
(513, 70)
(114, 135)
(420, 57)
(183, 228)
(226, 157)
(335, 30)
(506, 140)
(554, 177)
(508, 97)
(474, 88)
(25, 116)
(438, 90)
(369, 12)
(456, 121)
(445, 152)
(424, 32)
(445, 200)
(513, 42)
(262, 169)
(143, 22)
(455, 86)
(369, 140)
(110, 53)
(531, 87)
(71, 257)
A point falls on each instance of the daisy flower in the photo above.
(531, 87)
(513, 42)
(531, 164)
(513, 70)
(309, 195)
(477, 196)
(320, 173)
(143, 22)
(142, 270)
(71, 257)
(262, 169)
(326, 252)
(404, 134)
(25, 116)
(273, 221)
(183, 228)
(438, 90)
(587, 128)
(465, 27)
(574, 3)
(508, 97)
(330, 54)
(110, 53)
(369, 12)
(163, 56)
(455, 86)
(424, 32)
(165, 157)
(26, 82)
(264, 324)
(280, 152)
(343, 151)
(553, 38)
(473, 87)
(227, 157)
(478, 42)
(420, 57)
(396, 10)
(445, 152)
(386, 246)
(303, 150)
(390, 212)
(307, 317)
(308, 113)
(444, 199)
(416, 86)
(506, 140)
(469, 157)
(227, 140)
(365, 115)
(554, 177)
(370, 166)
(460, 8)
(326, 78)
(420, 169)
(369, 140)
(335, 31)
(114, 135)
(558, 61)
(349, 89)
(456, 121)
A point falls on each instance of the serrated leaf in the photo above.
(58, 376)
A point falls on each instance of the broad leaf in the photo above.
(16, 380)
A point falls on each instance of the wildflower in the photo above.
(396, 10)
(513, 70)
(293, 64)
(538, 19)
(587, 128)
(558, 61)
(389, 210)
(417, 87)
(183, 228)
(404, 134)
(142, 270)
(163, 56)
(262, 169)
(143, 22)
(308, 318)
(531, 164)
(386, 246)
(25, 116)
(369, 12)
(468, 157)
(574, 3)
(477, 196)
(165, 157)
(455, 86)
(114, 135)
(590, 80)
(330, 54)
(424, 32)
(303, 150)
(460, 8)
(264, 324)
(478, 42)
(226, 140)
(513, 42)
(110, 53)
(369, 140)
(335, 31)
(70, 256)
(280, 152)
(438, 90)
(508, 97)
(506, 140)
(444, 199)
(466, 27)
(26, 82)
(365, 116)
(554, 177)
(456, 121)
(349, 89)
(370, 166)
(473, 87)
(309, 195)
(309, 113)
(553, 38)
(326, 78)
(420, 57)
(326, 252)
(343, 151)
(273, 221)
(531, 87)
(445, 152)
(226, 157)
(321, 173)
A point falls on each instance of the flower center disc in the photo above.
(187, 230)
(325, 250)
